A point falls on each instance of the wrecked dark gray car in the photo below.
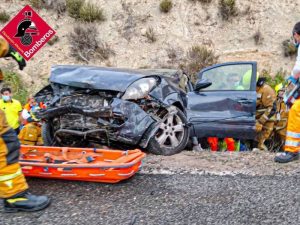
(121, 108)
(157, 110)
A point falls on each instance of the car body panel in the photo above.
(223, 113)
(101, 78)
(220, 113)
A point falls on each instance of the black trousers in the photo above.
(17, 130)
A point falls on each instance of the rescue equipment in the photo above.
(84, 164)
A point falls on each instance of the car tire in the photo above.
(47, 134)
(155, 145)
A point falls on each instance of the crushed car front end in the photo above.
(91, 105)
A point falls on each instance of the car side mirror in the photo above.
(201, 84)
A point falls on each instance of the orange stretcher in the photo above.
(84, 164)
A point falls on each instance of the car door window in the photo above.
(229, 77)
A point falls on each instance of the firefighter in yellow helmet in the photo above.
(265, 111)
(13, 186)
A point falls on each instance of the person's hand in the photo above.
(32, 119)
(258, 127)
(297, 75)
(16, 56)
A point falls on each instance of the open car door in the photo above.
(227, 107)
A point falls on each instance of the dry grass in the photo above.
(85, 44)
(90, 13)
(258, 38)
(73, 8)
(36, 3)
(227, 9)
(84, 11)
(4, 16)
(151, 36)
(198, 57)
(14, 81)
(53, 40)
(202, 1)
(289, 48)
(59, 6)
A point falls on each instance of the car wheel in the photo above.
(172, 135)
(47, 134)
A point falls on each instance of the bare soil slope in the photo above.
(188, 23)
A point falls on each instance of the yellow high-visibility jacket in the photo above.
(292, 141)
(3, 51)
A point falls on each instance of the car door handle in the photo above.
(244, 101)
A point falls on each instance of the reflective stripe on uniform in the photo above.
(14, 200)
(266, 117)
(293, 134)
(11, 176)
(292, 143)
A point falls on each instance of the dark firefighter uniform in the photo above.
(13, 186)
(265, 111)
(12, 180)
(281, 113)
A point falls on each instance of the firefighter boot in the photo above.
(286, 157)
(25, 202)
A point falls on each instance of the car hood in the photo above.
(100, 78)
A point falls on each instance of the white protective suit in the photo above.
(296, 69)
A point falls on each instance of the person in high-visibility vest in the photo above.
(292, 141)
(13, 186)
(31, 132)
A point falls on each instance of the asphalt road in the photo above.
(168, 199)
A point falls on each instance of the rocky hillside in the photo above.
(127, 23)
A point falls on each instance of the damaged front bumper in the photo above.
(136, 128)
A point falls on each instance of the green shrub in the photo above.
(4, 17)
(165, 6)
(12, 80)
(280, 77)
(90, 13)
(73, 8)
(199, 57)
(227, 9)
(289, 48)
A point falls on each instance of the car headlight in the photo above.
(139, 89)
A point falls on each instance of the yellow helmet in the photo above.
(278, 87)
(247, 79)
